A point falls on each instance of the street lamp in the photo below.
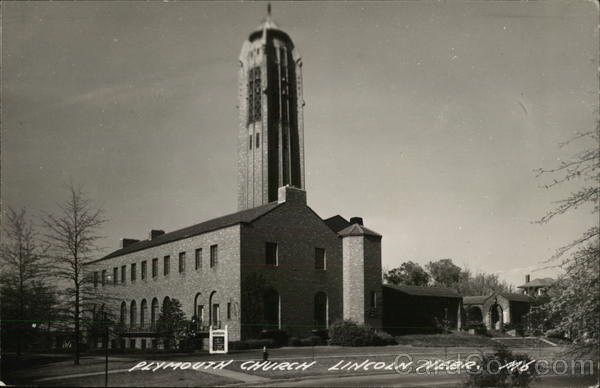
(105, 321)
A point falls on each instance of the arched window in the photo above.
(214, 308)
(166, 302)
(132, 314)
(123, 317)
(143, 312)
(271, 309)
(320, 310)
(154, 312)
(198, 308)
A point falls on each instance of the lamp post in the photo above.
(105, 321)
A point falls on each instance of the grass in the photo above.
(445, 340)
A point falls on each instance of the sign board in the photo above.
(218, 340)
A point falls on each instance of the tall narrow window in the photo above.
(198, 259)
(254, 95)
(257, 139)
(144, 269)
(214, 255)
(271, 254)
(95, 279)
(123, 274)
(166, 265)
(103, 278)
(133, 272)
(181, 262)
(250, 142)
(373, 299)
(154, 268)
(116, 275)
(320, 259)
(228, 310)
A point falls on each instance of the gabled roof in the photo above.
(245, 216)
(425, 291)
(545, 282)
(337, 223)
(517, 297)
(358, 230)
(479, 299)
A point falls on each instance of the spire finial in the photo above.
(269, 9)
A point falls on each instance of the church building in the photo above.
(274, 264)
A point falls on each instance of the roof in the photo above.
(244, 216)
(358, 230)
(479, 299)
(517, 297)
(337, 223)
(425, 291)
(545, 282)
(268, 23)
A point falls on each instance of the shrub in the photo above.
(489, 374)
(294, 341)
(252, 344)
(349, 333)
(385, 338)
(280, 337)
(313, 340)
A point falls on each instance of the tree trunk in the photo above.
(76, 324)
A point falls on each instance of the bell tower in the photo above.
(271, 133)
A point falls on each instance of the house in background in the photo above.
(536, 287)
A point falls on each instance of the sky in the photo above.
(426, 118)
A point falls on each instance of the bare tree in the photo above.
(583, 167)
(23, 271)
(72, 235)
(574, 306)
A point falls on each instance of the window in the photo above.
(320, 260)
(103, 277)
(154, 268)
(95, 279)
(215, 315)
(123, 274)
(181, 262)
(257, 140)
(228, 310)
(133, 272)
(144, 269)
(249, 142)
(214, 255)
(115, 276)
(198, 259)
(373, 299)
(166, 265)
(254, 95)
(271, 254)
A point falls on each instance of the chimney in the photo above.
(154, 233)
(125, 242)
(291, 194)
(356, 220)
(527, 278)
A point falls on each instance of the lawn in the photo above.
(445, 340)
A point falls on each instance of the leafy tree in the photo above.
(409, 273)
(574, 301)
(26, 298)
(72, 235)
(444, 272)
(172, 325)
(481, 284)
